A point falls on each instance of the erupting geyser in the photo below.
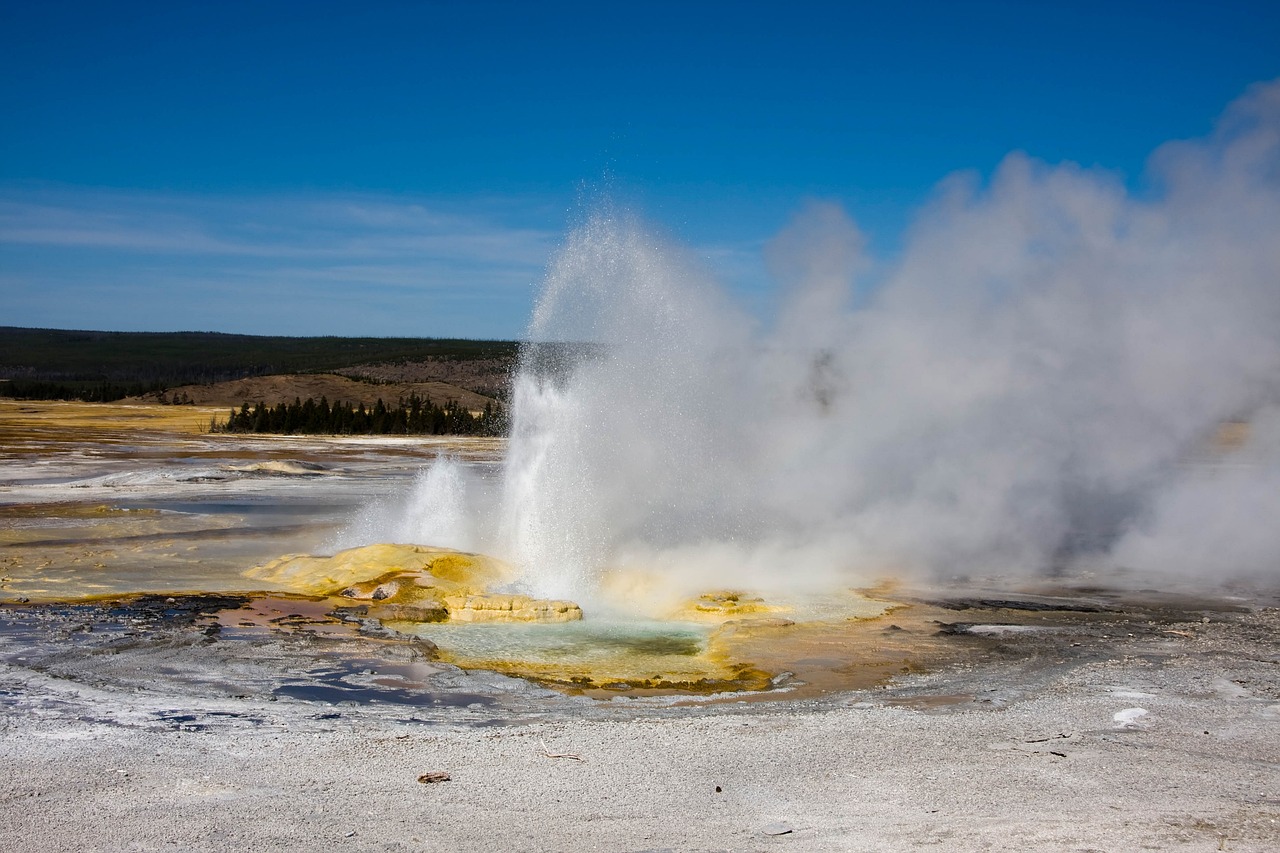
(1035, 382)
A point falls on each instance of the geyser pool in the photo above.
(699, 648)
(597, 649)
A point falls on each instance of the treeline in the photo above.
(89, 392)
(68, 357)
(415, 416)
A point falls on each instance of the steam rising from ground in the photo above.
(1034, 384)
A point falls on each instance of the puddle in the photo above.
(336, 694)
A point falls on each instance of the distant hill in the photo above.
(285, 388)
(55, 363)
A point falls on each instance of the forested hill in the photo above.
(100, 365)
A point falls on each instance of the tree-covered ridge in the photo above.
(414, 416)
(183, 358)
(86, 391)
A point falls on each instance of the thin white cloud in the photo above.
(67, 250)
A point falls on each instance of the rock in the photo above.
(375, 628)
(360, 572)
(777, 828)
(413, 583)
(424, 648)
(510, 608)
(349, 614)
(726, 604)
(1128, 718)
(425, 611)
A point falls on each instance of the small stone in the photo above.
(429, 778)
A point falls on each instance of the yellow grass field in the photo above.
(22, 417)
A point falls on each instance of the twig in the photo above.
(1058, 736)
(549, 754)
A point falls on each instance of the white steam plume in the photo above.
(1031, 384)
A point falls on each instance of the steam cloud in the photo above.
(1036, 383)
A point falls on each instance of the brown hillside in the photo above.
(286, 387)
(485, 376)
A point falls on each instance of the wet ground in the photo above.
(937, 653)
(100, 503)
(102, 499)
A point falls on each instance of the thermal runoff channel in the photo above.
(1039, 382)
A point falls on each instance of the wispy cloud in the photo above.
(293, 264)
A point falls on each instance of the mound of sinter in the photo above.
(413, 583)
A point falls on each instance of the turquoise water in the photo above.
(565, 643)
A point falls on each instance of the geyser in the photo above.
(1034, 383)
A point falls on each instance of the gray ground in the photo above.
(149, 733)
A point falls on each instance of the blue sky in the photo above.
(408, 168)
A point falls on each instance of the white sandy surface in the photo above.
(88, 768)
